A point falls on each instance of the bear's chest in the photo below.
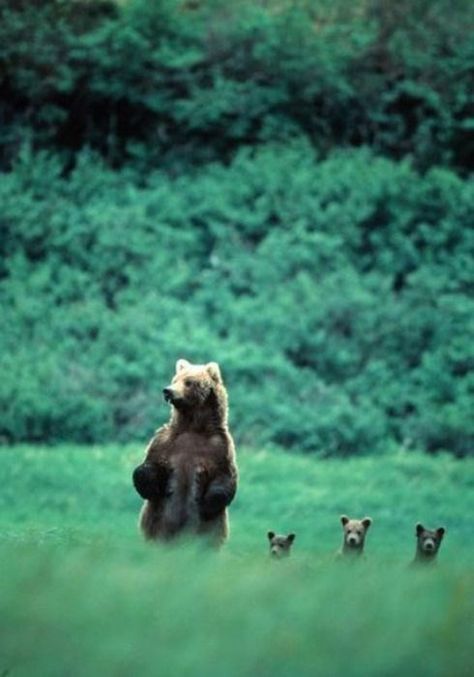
(192, 464)
(193, 461)
(192, 449)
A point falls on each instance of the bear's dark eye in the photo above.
(188, 383)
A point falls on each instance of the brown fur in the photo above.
(280, 546)
(355, 532)
(189, 475)
(428, 542)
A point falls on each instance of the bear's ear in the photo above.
(290, 538)
(419, 528)
(270, 534)
(214, 371)
(367, 521)
(182, 364)
(440, 531)
(344, 520)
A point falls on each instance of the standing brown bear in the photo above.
(189, 475)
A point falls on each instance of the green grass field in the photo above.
(81, 594)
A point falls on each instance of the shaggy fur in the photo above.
(189, 475)
(355, 532)
(428, 543)
(280, 546)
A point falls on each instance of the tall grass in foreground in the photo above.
(81, 594)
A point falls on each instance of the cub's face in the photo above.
(280, 546)
(429, 541)
(355, 531)
(192, 384)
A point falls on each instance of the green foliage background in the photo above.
(282, 187)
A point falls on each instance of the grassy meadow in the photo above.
(81, 594)
(285, 188)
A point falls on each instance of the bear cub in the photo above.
(428, 543)
(280, 546)
(355, 532)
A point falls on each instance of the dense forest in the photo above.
(283, 187)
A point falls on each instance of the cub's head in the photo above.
(429, 542)
(280, 546)
(355, 532)
(193, 384)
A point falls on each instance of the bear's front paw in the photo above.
(213, 503)
(146, 481)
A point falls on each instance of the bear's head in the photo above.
(354, 533)
(194, 385)
(280, 546)
(428, 541)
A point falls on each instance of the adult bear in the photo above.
(189, 475)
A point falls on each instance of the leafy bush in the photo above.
(335, 293)
(178, 179)
(172, 83)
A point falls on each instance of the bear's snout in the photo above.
(352, 540)
(429, 545)
(168, 394)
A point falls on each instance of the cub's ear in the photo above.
(441, 531)
(344, 520)
(419, 528)
(290, 538)
(367, 521)
(270, 534)
(182, 364)
(214, 371)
